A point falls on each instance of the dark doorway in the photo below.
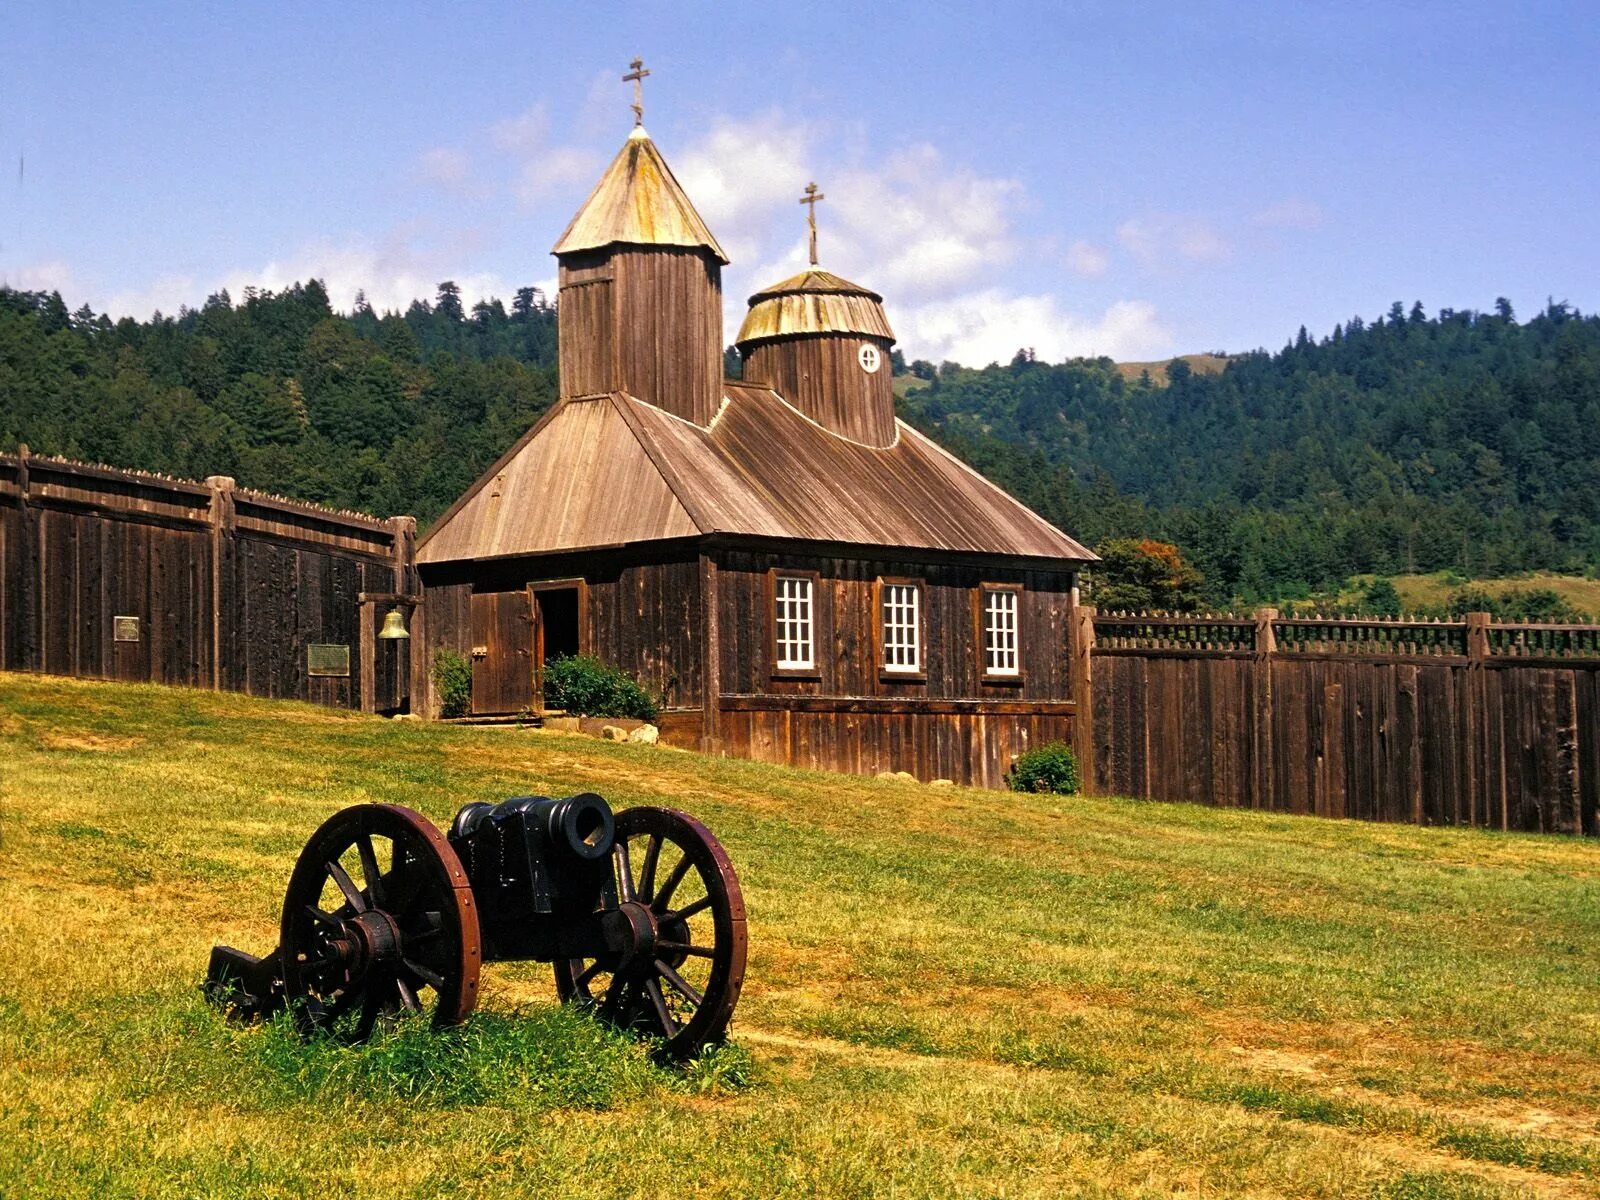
(559, 626)
(558, 619)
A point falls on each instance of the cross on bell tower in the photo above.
(636, 77)
(810, 198)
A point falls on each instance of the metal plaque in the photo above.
(125, 629)
(327, 660)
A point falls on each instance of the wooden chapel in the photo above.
(802, 577)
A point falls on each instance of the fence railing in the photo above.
(1476, 636)
(1468, 721)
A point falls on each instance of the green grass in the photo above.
(1432, 592)
(950, 992)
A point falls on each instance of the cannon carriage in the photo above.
(639, 912)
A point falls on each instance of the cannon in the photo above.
(639, 912)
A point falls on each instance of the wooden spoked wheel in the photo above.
(682, 979)
(378, 922)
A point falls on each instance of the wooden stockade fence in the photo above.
(127, 575)
(1434, 722)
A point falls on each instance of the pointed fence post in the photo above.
(1266, 646)
(1083, 696)
(224, 623)
(1488, 765)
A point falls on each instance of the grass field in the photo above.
(1426, 593)
(951, 993)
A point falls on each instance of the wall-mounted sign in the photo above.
(125, 629)
(327, 659)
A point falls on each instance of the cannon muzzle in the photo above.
(581, 826)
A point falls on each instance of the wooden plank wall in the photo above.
(974, 746)
(847, 630)
(822, 376)
(952, 724)
(643, 615)
(1463, 723)
(229, 587)
(646, 320)
(659, 618)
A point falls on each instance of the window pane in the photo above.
(902, 649)
(1000, 633)
(792, 621)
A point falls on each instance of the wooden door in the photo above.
(502, 653)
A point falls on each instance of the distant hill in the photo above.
(1462, 442)
(1201, 364)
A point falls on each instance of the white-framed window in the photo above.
(793, 616)
(902, 628)
(1000, 634)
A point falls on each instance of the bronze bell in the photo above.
(394, 625)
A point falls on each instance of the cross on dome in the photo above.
(636, 77)
(811, 197)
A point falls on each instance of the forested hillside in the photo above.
(391, 414)
(1464, 442)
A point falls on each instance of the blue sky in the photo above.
(1131, 179)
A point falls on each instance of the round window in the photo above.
(869, 357)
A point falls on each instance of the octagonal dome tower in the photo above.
(822, 343)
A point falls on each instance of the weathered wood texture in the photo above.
(645, 320)
(822, 376)
(974, 748)
(848, 630)
(642, 614)
(228, 588)
(1463, 723)
(601, 472)
(666, 618)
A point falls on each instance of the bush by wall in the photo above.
(587, 687)
(1052, 767)
(452, 676)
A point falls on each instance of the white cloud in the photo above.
(522, 135)
(447, 167)
(1087, 259)
(990, 326)
(935, 238)
(745, 178)
(1158, 239)
(52, 276)
(393, 273)
(1292, 213)
(554, 170)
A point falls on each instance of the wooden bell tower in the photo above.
(641, 287)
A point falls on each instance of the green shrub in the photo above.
(452, 676)
(1052, 767)
(588, 687)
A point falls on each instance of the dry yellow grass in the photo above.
(951, 993)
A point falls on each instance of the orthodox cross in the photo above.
(811, 197)
(636, 77)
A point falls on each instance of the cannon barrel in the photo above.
(581, 825)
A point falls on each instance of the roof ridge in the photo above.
(623, 403)
(922, 439)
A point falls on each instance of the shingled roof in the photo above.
(638, 201)
(608, 470)
(813, 302)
